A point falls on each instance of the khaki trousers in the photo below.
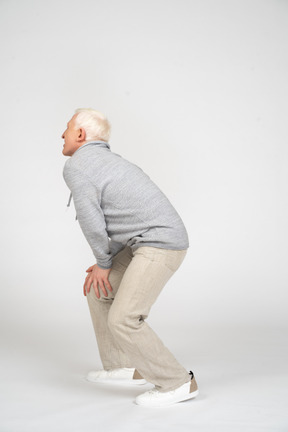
(123, 336)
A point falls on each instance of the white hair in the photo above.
(94, 123)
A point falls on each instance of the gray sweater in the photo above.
(117, 204)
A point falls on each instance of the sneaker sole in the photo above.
(170, 402)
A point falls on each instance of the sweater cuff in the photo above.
(105, 266)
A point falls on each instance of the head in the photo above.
(86, 125)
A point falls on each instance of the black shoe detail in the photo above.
(192, 374)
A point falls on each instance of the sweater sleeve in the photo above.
(89, 214)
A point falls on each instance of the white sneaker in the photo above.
(154, 398)
(123, 376)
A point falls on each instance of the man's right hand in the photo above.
(99, 278)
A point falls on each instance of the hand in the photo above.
(97, 276)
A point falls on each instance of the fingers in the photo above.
(96, 289)
(93, 281)
(103, 289)
(84, 288)
(87, 284)
(107, 284)
(99, 278)
(100, 284)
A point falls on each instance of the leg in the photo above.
(140, 286)
(110, 353)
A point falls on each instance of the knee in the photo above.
(91, 296)
(119, 323)
(115, 322)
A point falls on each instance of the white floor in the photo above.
(241, 373)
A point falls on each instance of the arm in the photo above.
(90, 216)
(92, 222)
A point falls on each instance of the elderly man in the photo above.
(139, 241)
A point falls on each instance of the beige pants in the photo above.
(124, 338)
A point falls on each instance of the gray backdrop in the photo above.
(196, 92)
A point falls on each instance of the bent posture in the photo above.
(139, 241)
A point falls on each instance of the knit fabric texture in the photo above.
(117, 204)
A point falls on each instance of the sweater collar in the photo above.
(98, 143)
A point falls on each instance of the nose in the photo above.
(63, 135)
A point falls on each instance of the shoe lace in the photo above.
(153, 391)
(112, 373)
(156, 392)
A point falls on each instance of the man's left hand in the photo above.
(99, 278)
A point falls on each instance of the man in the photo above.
(139, 241)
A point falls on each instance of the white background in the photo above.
(196, 92)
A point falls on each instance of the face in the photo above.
(73, 138)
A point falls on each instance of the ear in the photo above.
(81, 135)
